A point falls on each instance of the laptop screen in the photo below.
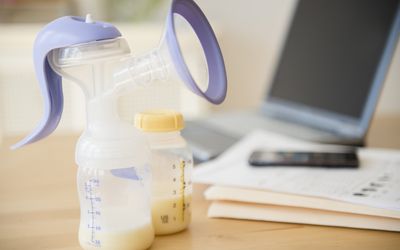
(332, 52)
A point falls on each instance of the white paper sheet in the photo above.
(375, 183)
(265, 212)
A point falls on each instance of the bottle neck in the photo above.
(165, 139)
(108, 142)
(103, 120)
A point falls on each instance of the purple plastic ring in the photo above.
(216, 90)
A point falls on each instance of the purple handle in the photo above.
(216, 91)
(62, 32)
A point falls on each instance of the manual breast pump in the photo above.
(112, 156)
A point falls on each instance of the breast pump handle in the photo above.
(69, 30)
(62, 32)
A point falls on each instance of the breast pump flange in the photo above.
(95, 56)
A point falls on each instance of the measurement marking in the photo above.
(183, 186)
(90, 195)
(164, 219)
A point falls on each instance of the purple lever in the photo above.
(216, 91)
(62, 32)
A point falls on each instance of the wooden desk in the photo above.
(39, 208)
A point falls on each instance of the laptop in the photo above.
(326, 83)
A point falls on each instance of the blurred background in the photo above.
(250, 33)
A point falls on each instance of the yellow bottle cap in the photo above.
(159, 121)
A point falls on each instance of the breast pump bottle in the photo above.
(115, 205)
(112, 156)
(171, 167)
(113, 160)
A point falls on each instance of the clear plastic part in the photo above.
(107, 67)
(115, 208)
(171, 167)
(105, 70)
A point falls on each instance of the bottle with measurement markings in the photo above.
(114, 186)
(171, 167)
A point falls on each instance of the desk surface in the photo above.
(39, 208)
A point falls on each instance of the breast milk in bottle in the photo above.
(171, 166)
(115, 194)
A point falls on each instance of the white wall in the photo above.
(252, 33)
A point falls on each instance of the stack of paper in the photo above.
(368, 197)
